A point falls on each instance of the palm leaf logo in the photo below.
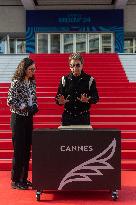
(90, 167)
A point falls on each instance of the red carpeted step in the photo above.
(124, 126)
(106, 105)
(5, 111)
(94, 118)
(87, 66)
(3, 94)
(133, 84)
(4, 85)
(100, 105)
(115, 125)
(115, 94)
(45, 93)
(100, 88)
(6, 154)
(5, 126)
(6, 144)
(126, 134)
(100, 111)
(128, 154)
(113, 118)
(59, 73)
(118, 99)
(48, 117)
(114, 111)
(128, 144)
(4, 89)
(102, 99)
(117, 105)
(6, 165)
(128, 87)
(50, 83)
(54, 124)
(5, 134)
(5, 119)
(128, 164)
(51, 71)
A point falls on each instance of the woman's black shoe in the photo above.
(19, 185)
(28, 183)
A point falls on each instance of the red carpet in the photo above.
(116, 109)
(127, 195)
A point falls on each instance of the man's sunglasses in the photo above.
(75, 65)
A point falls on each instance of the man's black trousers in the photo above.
(71, 119)
(22, 127)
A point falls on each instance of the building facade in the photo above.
(34, 26)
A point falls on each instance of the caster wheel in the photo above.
(114, 195)
(38, 196)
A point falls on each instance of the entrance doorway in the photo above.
(74, 42)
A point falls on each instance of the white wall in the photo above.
(12, 19)
(130, 18)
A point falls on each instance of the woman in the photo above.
(23, 105)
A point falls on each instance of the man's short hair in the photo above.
(76, 56)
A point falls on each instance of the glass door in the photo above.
(94, 41)
(106, 43)
(21, 46)
(81, 43)
(128, 48)
(42, 43)
(2, 45)
(75, 42)
(68, 42)
(55, 43)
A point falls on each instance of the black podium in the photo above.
(76, 159)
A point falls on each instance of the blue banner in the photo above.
(74, 21)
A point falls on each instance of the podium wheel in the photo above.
(115, 195)
(38, 196)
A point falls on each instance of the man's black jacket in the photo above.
(72, 87)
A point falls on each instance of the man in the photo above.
(76, 91)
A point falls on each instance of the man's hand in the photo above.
(62, 100)
(84, 98)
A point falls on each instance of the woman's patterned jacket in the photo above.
(19, 96)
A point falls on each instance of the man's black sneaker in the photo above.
(19, 185)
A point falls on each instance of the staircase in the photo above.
(116, 109)
(8, 64)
